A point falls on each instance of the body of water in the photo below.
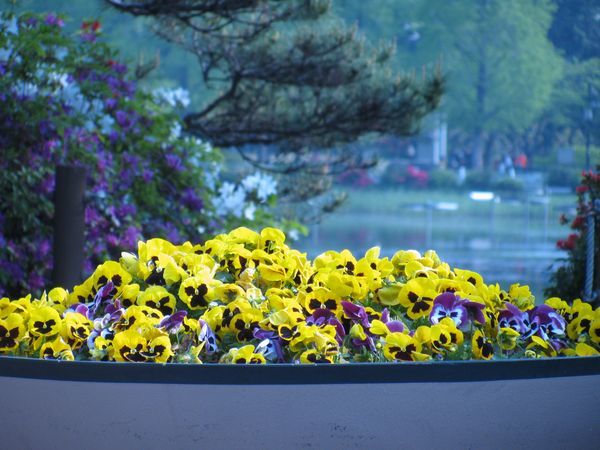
(515, 246)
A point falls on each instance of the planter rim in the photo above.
(282, 374)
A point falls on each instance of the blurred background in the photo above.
(488, 175)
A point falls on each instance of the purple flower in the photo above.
(191, 199)
(53, 20)
(546, 322)
(356, 313)
(104, 294)
(513, 317)
(174, 162)
(173, 322)
(130, 238)
(393, 325)
(110, 104)
(324, 316)
(123, 119)
(207, 336)
(449, 305)
(147, 175)
(81, 309)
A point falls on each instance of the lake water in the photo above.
(517, 247)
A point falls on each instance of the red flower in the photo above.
(569, 243)
(581, 189)
(577, 223)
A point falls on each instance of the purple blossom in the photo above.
(356, 313)
(323, 316)
(174, 162)
(53, 20)
(35, 281)
(448, 305)
(130, 238)
(123, 119)
(110, 104)
(147, 175)
(191, 199)
(270, 345)
(546, 322)
(207, 336)
(513, 317)
(173, 323)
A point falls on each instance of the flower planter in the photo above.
(540, 403)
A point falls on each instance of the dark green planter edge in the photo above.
(282, 374)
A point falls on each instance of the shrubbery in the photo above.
(68, 100)
(569, 279)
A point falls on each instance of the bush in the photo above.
(479, 180)
(508, 186)
(557, 176)
(568, 279)
(68, 100)
(443, 179)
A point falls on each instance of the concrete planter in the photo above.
(549, 403)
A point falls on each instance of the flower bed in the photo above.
(247, 298)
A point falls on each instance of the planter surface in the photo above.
(547, 403)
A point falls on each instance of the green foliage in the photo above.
(478, 180)
(558, 176)
(443, 179)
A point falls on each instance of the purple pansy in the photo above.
(324, 316)
(173, 323)
(207, 336)
(356, 313)
(513, 317)
(546, 322)
(270, 345)
(449, 305)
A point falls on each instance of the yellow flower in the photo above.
(481, 347)
(76, 328)
(389, 295)
(507, 338)
(521, 296)
(57, 349)
(197, 292)
(402, 347)
(245, 355)
(12, 331)
(44, 321)
(158, 297)
(583, 349)
(111, 271)
(313, 356)
(539, 345)
(417, 297)
(129, 346)
(129, 295)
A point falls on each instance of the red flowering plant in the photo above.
(66, 99)
(568, 280)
